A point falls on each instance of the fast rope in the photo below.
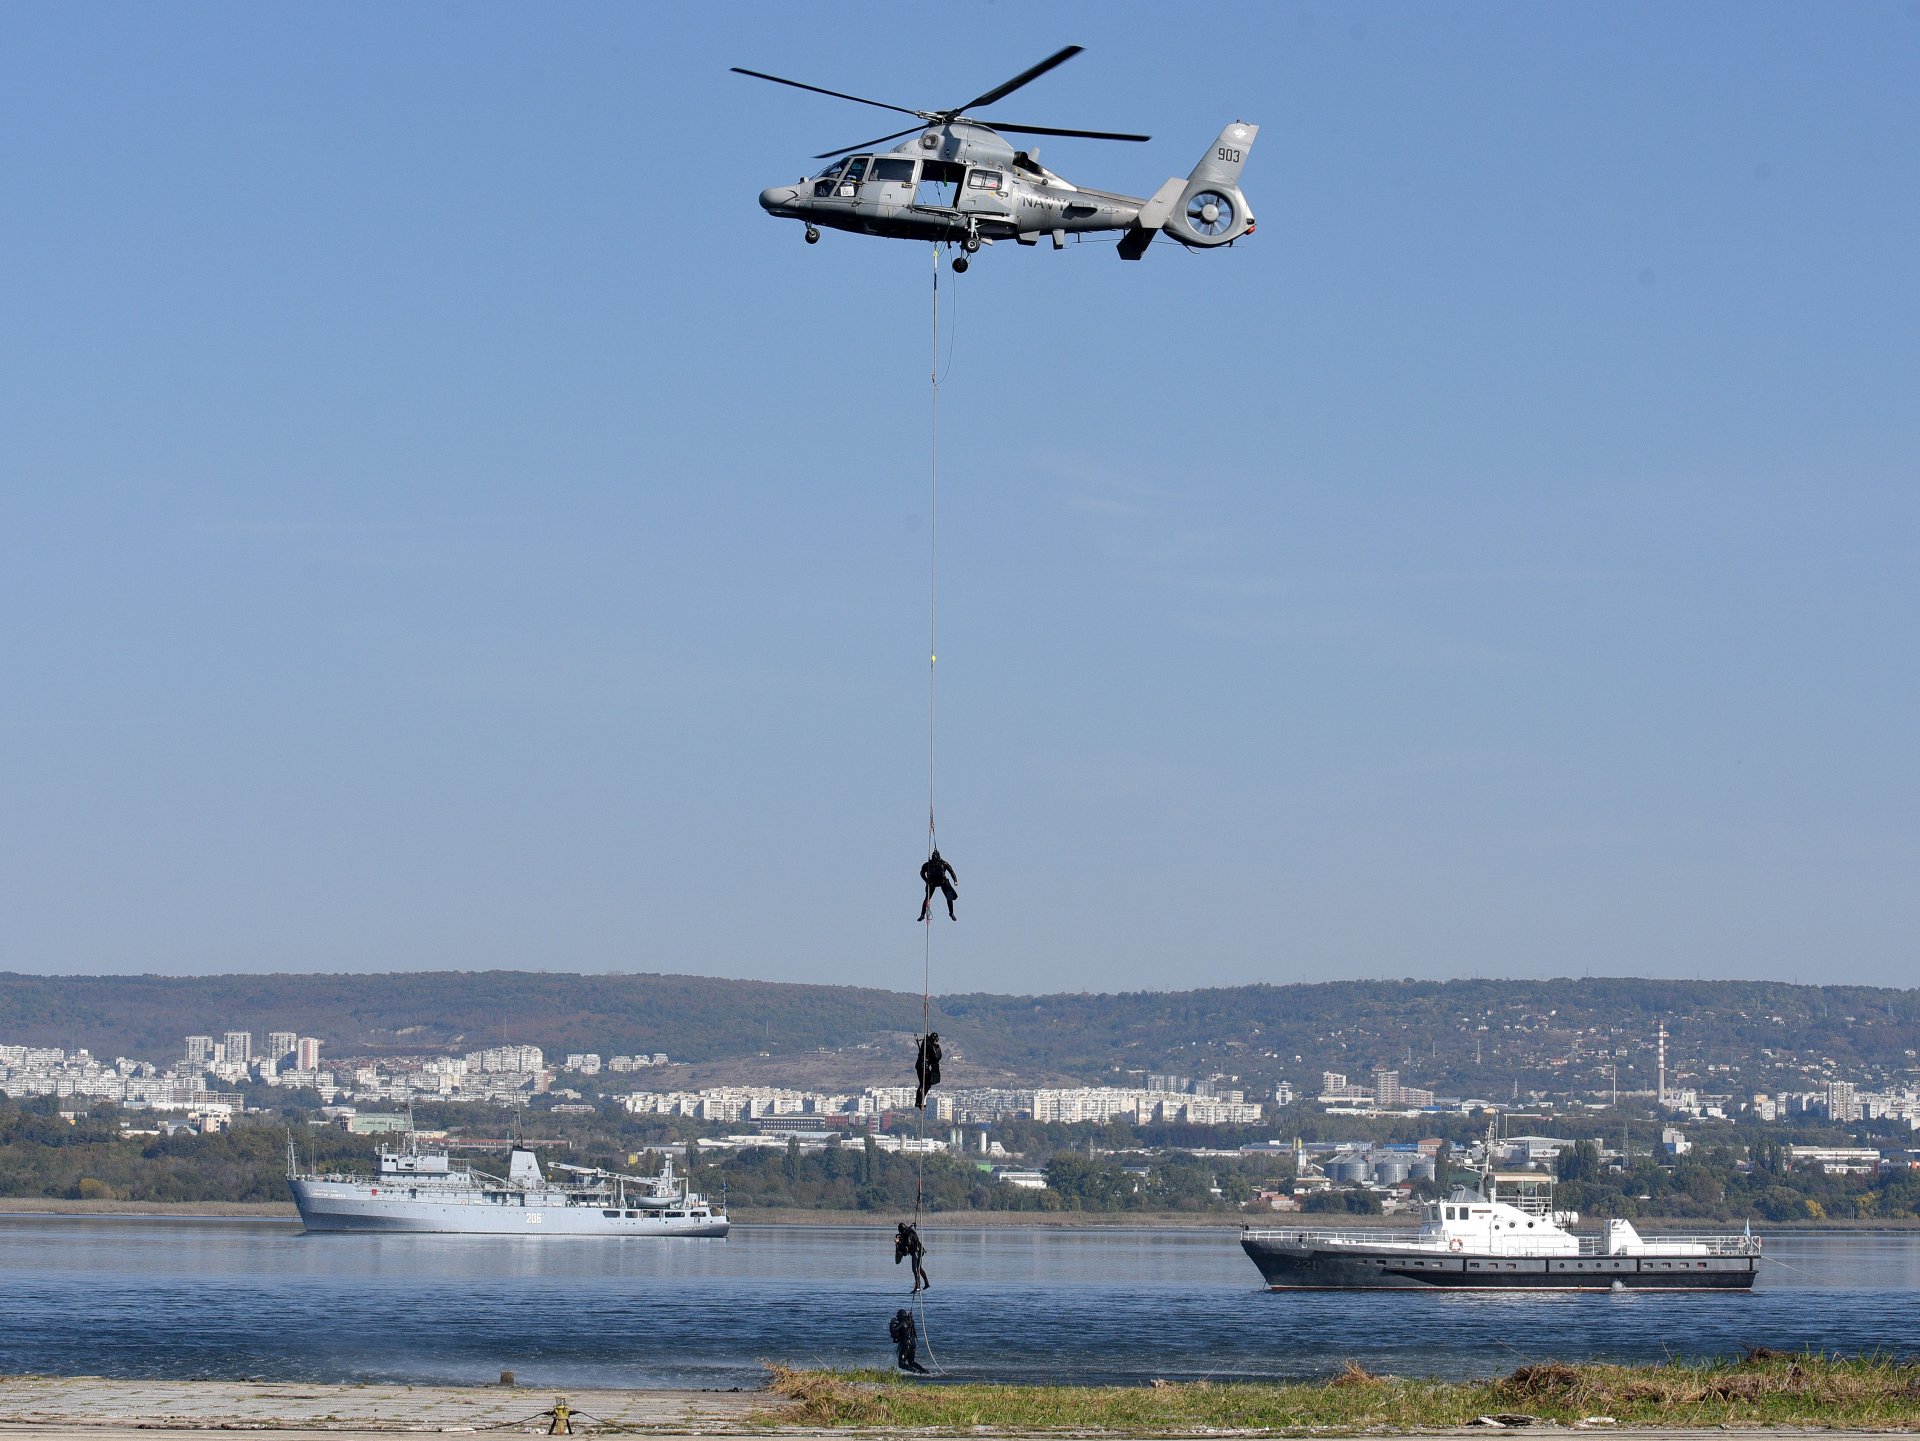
(933, 595)
(933, 735)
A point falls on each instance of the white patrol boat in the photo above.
(1474, 1240)
(420, 1189)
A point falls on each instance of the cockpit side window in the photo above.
(825, 181)
(892, 168)
(856, 170)
(984, 180)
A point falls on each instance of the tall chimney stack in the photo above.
(1663, 1063)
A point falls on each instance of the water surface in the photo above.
(228, 1299)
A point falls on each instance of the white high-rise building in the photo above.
(306, 1053)
(1843, 1104)
(239, 1046)
(280, 1043)
(199, 1050)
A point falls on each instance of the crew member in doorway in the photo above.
(939, 876)
(926, 1067)
(906, 1341)
(906, 1242)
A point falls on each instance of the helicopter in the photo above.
(955, 181)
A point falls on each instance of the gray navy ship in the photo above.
(419, 1188)
(1474, 1240)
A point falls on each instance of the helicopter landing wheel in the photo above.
(813, 235)
(959, 265)
(970, 244)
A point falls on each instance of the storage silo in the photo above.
(1391, 1170)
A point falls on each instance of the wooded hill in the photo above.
(1478, 1038)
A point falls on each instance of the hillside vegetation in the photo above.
(1473, 1037)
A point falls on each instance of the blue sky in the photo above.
(443, 523)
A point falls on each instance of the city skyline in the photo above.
(514, 1074)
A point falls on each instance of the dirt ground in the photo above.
(54, 1405)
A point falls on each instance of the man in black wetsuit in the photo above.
(906, 1341)
(926, 1067)
(906, 1242)
(939, 876)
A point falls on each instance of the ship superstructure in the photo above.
(418, 1187)
(1475, 1239)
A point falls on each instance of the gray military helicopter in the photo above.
(957, 182)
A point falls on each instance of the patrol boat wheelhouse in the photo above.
(1474, 1240)
(419, 1188)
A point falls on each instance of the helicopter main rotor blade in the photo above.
(1025, 77)
(1050, 130)
(866, 144)
(817, 90)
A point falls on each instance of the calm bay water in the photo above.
(234, 1299)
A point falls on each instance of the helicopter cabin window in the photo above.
(893, 170)
(856, 172)
(984, 180)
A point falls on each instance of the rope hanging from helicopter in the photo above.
(933, 847)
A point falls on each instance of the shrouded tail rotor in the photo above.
(1211, 213)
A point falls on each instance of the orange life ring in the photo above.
(1454, 1244)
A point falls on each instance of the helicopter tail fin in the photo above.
(1220, 166)
(1212, 210)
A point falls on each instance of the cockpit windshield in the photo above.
(832, 170)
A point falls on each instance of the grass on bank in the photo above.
(1764, 1389)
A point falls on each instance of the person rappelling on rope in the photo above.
(939, 876)
(926, 1067)
(906, 1341)
(907, 1243)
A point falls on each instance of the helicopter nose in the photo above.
(778, 198)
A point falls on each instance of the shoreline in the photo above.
(62, 1207)
(995, 1220)
(176, 1210)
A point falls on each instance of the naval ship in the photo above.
(1474, 1240)
(419, 1188)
